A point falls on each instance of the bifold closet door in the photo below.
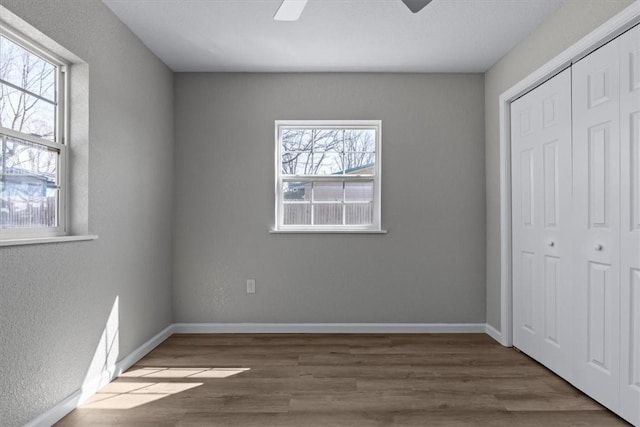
(630, 224)
(541, 197)
(596, 217)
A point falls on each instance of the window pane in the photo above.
(358, 213)
(297, 163)
(26, 113)
(296, 139)
(360, 163)
(303, 163)
(328, 151)
(295, 190)
(327, 163)
(360, 140)
(327, 214)
(28, 178)
(327, 140)
(358, 191)
(327, 191)
(26, 70)
(296, 214)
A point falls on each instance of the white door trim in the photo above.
(615, 26)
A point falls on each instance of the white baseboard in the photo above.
(495, 334)
(143, 350)
(58, 412)
(93, 385)
(327, 328)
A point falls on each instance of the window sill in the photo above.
(272, 231)
(43, 240)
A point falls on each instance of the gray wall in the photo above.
(575, 19)
(55, 299)
(430, 267)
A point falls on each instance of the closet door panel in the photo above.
(630, 225)
(526, 124)
(541, 183)
(596, 193)
(555, 141)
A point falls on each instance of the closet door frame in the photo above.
(627, 18)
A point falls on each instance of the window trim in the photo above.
(376, 225)
(60, 144)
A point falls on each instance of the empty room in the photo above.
(319, 213)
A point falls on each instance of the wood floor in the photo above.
(338, 380)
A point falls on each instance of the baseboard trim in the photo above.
(143, 350)
(495, 334)
(327, 328)
(58, 412)
(93, 385)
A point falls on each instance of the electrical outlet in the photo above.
(251, 286)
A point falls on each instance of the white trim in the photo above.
(495, 334)
(93, 385)
(143, 350)
(56, 413)
(342, 124)
(327, 328)
(21, 39)
(54, 145)
(333, 231)
(376, 225)
(290, 10)
(615, 26)
(41, 240)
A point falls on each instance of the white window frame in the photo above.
(59, 145)
(376, 225)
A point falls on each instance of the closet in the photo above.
(575, 162)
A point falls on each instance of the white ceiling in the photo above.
(332, 35)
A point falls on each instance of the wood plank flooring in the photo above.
(338, 380)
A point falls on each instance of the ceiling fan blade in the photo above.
(416, 6)
(290, 10)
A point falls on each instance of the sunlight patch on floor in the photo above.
(183, 372)
(128, 392)
(121, 395)
(121, 401)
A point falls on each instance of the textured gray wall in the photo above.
(574, 20)
(55, 299)
(430, 267)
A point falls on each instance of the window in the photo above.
(33, 154)
(328, 175)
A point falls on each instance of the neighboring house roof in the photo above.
(20, 175)
(27, 183)
(349, 171)
(355, 169)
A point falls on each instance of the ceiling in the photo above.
(332, 35)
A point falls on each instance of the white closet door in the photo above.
(630, 233)
(541, 201)
(596, 166)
